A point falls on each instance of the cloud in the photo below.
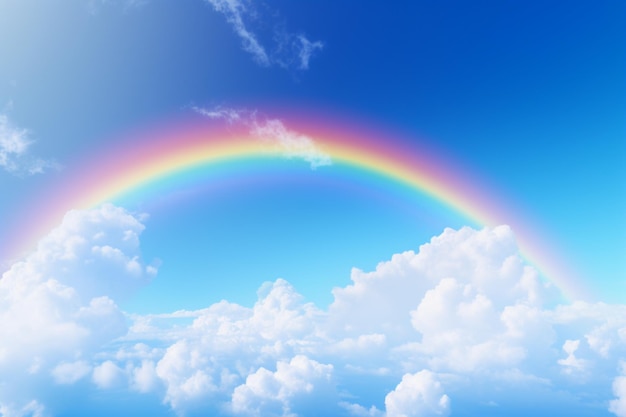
(267, 393)
(57, 307)
(290, 143)
(107, 374)
(69, 372)
(417, 395)
(231, 116)
(360, 411)
(603, 325)
(144, 377)
(482, 269)
(618, 405)
(465, 306)
(265, 39)
(572, 364)
(463, 320)
(288, 50)
(31, 409)
(294, 50)
(14, 146)
(234, 11)
(13, 143)
(307, 50)
(227, 341)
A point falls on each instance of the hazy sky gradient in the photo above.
(528, 98)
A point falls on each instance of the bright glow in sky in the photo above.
(245, 208)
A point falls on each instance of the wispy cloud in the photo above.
(266, 40)
(286, 49)
(272, 131)
(14, 146)
(234, 11)
(223, 113)
(294, 50)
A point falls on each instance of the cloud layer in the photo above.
(461, 324)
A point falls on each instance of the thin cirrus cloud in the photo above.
(279, 47)
(292, 144)
(457, 322)
(15, 143)
(288, 50)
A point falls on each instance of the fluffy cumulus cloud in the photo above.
(15, 143)
(107, 374)
(461, 322)
(267, 393)
(417, 395)
(58, 306)
(273, 132)
(285, 49)
(618, 405)
(70, 372)
(227, 342)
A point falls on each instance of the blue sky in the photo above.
(528, 97)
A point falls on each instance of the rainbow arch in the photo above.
(146, 157)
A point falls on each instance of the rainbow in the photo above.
(145, 158)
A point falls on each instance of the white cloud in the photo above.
(482, 269)
(227, 341)
(572, 364)
(185, 371)
(224, 113)
(261, 35)
(57, 306)
(235, 11)
(107, 374)
(463, 331)
(294, 50)
(267, 393)
(618, 405)
(290, 143)
(307, 50)
(287, 50)
(14, 146)
(31, 409)
(145, 378)
(365, 344)
(418, 395)
(70, 372)
(360, 411)
(14, 143)
(604, 325)
(465, 306)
